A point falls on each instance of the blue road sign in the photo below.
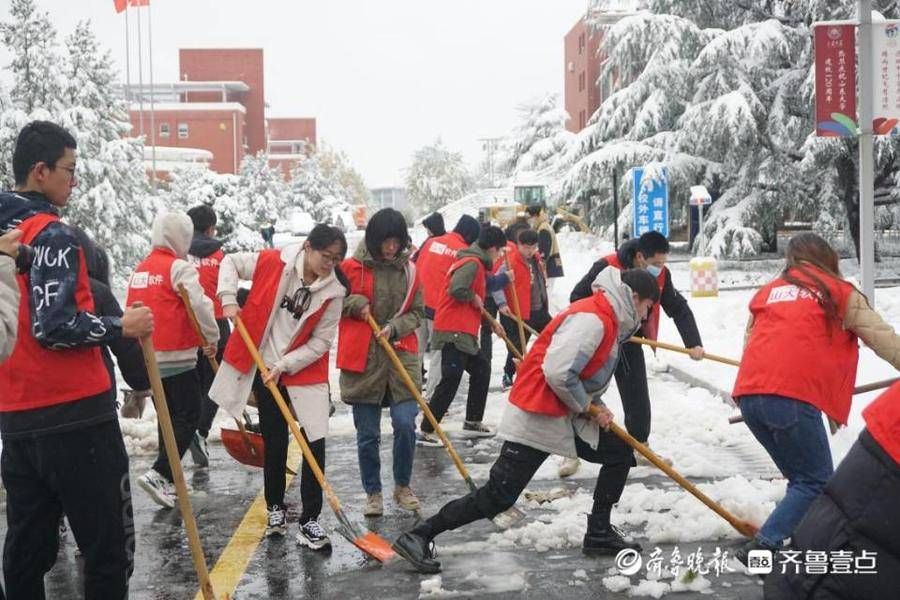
(651, 201)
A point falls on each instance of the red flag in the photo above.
(120, 5)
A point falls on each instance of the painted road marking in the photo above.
(235, 558)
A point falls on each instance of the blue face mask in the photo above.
(654, 270)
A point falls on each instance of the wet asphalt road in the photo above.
(279, 568)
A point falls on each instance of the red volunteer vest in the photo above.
(522, 273)
(650, 327)
(255, 315)
(151, 284)
(37, 377)
(530, 391)
(883, 421)
(354, 335)
(792, 351)
(455, 316)
(435, 258)
(208, 268)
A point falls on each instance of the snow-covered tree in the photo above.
(31, 39)
(264, 189)
(436, 177)
(540, 138)
(722, 93)
(112, 181)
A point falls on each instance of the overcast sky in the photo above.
(383, 77)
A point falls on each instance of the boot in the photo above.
(419, 551)
(602, 539)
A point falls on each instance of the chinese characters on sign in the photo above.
(886, 101)
(835, 80)
(650, 200)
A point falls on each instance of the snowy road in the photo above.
(540, 558)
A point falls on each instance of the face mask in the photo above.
(654, 270)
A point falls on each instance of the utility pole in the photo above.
(866, 155)
(490, 146)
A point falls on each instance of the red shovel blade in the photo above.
(236, 445)
(375, 546)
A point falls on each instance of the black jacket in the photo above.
(671, 300)
(859, 511)
(203, 245)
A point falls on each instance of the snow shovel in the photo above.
(861, 389)
(505, 519)
(244, 447)
(168, 435)
(745, 528)
(683, 350)
(517, 308)
(498, 328)
(369, 542)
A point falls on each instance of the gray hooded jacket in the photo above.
(571, 347)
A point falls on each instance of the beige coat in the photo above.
(9, 306)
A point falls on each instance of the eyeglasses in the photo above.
(331, 259)
(71, 170)
(298, 303)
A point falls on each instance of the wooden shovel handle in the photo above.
(168, 435)
(683, 350)
(517, 309)
(411, 386)
(213, 363)
(503, 336)
(743, 527)
(288, 417)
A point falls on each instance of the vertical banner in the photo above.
(835, 47)
(650, 199)
(886, 95)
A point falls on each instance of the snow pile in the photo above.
(477, 585)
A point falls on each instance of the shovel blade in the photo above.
(369, 542)
(508, 518)
(236, 446)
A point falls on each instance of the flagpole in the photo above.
(127, 61)
(140, 71)
(152, 102)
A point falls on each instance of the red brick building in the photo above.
(584, 90)
(217, 105)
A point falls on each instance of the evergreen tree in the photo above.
(436, 177)
(722, 93)
(111, 178)
(539, 139)
(31, 40)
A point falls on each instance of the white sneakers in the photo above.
(160, 489)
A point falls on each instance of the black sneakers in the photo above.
(418, 551)
(277, 521)
(312, 535)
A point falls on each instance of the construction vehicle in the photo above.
(525, 194)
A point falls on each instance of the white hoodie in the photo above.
(174, 231)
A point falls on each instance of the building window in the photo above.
(581, 44)
(582, 120)
(581, 81)
(182, 131)
(163, 130)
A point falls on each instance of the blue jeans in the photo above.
(793, 434)
(367, 420)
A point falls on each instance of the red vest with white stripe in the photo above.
(793, 350)
(455, 316)
(435, 258)
(256, 313)
(883, 421)
(151, 284)
(650, 327)
(34, 376)
(530, 392)
(354, 335)
(208, 269)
